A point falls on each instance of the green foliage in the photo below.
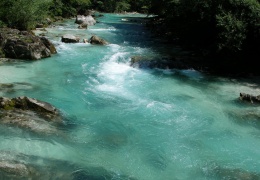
(221, 25)
(115, 5)
(68, 8)
(122, 6)
(2, 54)
(2, 24)
(237, 22)
(232, 31)
(23, 14)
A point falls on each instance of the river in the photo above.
(148, 124)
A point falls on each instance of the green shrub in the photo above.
(23, 14)
(232, 32)
(2, 55)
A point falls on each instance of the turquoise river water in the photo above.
(148, 124)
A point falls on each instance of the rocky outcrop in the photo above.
(249, 98)
(97, 40)
(23, 45)
(68, 38)
(88, 20)
(30, 113)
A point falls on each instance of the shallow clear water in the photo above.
(147, 124)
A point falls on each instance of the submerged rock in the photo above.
(23, 45)
(97, 40)
(245, 117)
(7, 85)
(68, 38)
(249, 98)
(12, 87)
(20, 166)
(14, 170)
(29, 113)
(228, 173)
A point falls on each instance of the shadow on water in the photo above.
(111, 135)
(245, 117)
(156, 160)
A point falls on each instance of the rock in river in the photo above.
(24, 45)
(97, 40)
(29, 113)
(250, 98)
(68, 38)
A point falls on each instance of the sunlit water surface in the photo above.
(147, 124)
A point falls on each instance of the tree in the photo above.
(23, 14)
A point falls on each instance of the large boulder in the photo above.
(23, 45)
(97, 40)
(68, 38)
(88, 20)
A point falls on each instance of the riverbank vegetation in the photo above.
(223, 29)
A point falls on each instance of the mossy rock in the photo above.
(7, 104)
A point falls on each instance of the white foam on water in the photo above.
(114, 75)
(108, 29)
(114, 47)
